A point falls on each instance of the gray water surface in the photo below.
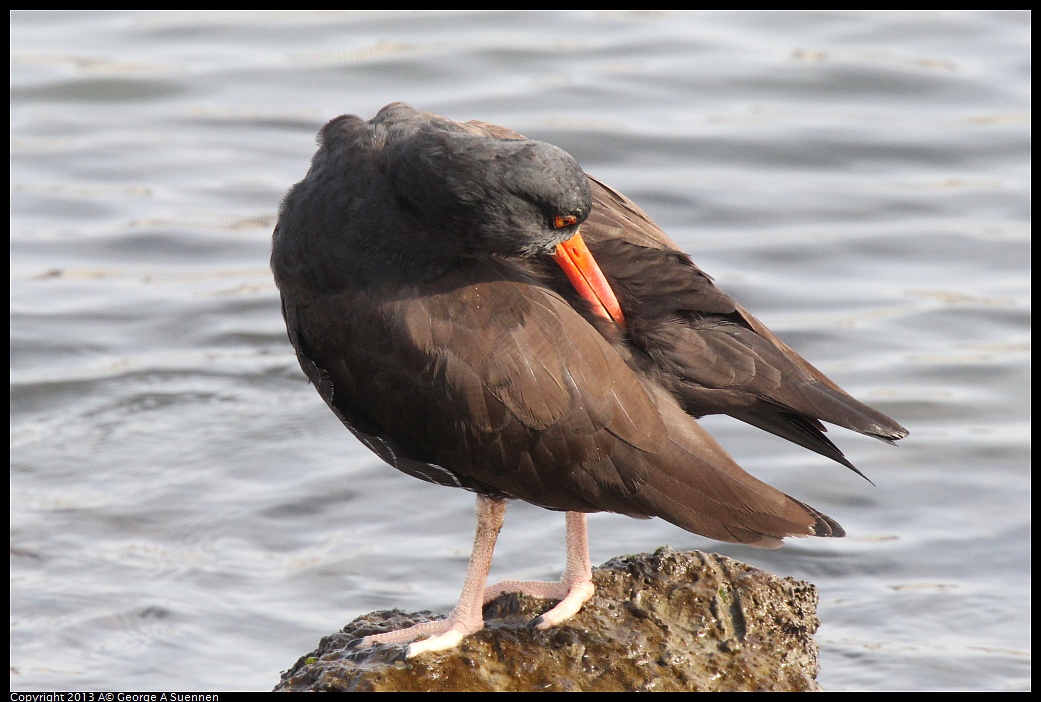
(187, 514)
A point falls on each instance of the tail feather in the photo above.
(695, 484)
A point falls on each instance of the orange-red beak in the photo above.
(587, 278)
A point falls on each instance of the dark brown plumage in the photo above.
(420, 292)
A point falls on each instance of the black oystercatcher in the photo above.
(441, 300)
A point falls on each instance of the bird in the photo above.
(482, 314)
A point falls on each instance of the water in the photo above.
(187, 514)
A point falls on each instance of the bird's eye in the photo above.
(561, 221)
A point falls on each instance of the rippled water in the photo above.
(186, 513)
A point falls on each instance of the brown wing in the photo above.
(705, 348)
(709, 352)
(489, 381)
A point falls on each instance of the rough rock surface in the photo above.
(664, 621)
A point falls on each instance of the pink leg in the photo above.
(467, 617)
(575, 586)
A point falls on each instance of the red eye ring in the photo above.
(561, 221)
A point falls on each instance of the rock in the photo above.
(667, 621)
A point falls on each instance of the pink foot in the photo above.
(573, 589)
(467, 617)
(575, 586)
(444, 634)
